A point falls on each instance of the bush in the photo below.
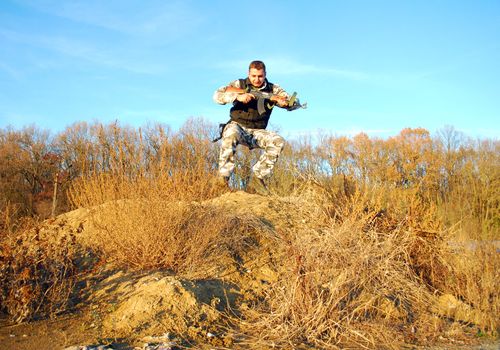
(37, 271)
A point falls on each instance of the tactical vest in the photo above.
(246, 114)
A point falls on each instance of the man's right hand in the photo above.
(245, 98)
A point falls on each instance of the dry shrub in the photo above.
(344, 286)
(474, 280)
(37, 271)
(189, 239)
(9, 218)
(472, 197)
(129, 164)
(101, 188)
(370, 279)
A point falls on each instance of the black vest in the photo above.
(246, 114)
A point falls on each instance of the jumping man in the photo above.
(253, 100)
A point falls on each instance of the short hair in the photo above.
(257, 65)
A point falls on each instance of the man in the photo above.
(249, 121)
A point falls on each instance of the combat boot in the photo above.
(258, 186)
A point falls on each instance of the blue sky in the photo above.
(372, 66)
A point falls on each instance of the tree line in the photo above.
(459, 174)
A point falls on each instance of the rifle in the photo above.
(292, 104)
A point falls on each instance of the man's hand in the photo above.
(280, 100)
(245, 98)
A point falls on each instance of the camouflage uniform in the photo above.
(235, 134)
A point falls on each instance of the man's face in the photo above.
(256, 76)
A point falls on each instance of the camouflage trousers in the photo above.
(235, 134)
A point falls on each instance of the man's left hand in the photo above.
(280, 101)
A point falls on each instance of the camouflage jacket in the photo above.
(247, 114)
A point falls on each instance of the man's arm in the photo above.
(290, 103)
(221, 96)
(282, 97)
(278, 96)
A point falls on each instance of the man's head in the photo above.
(257, 73)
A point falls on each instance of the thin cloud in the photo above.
(138, 25)
(158, 20)
(84, 51)
(93, 54)
(13, 73)
(282, 66)
(286, 66)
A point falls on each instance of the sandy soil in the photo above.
(74, 330)
(47, 334)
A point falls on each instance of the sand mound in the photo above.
(134, 303)
(157, 302)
